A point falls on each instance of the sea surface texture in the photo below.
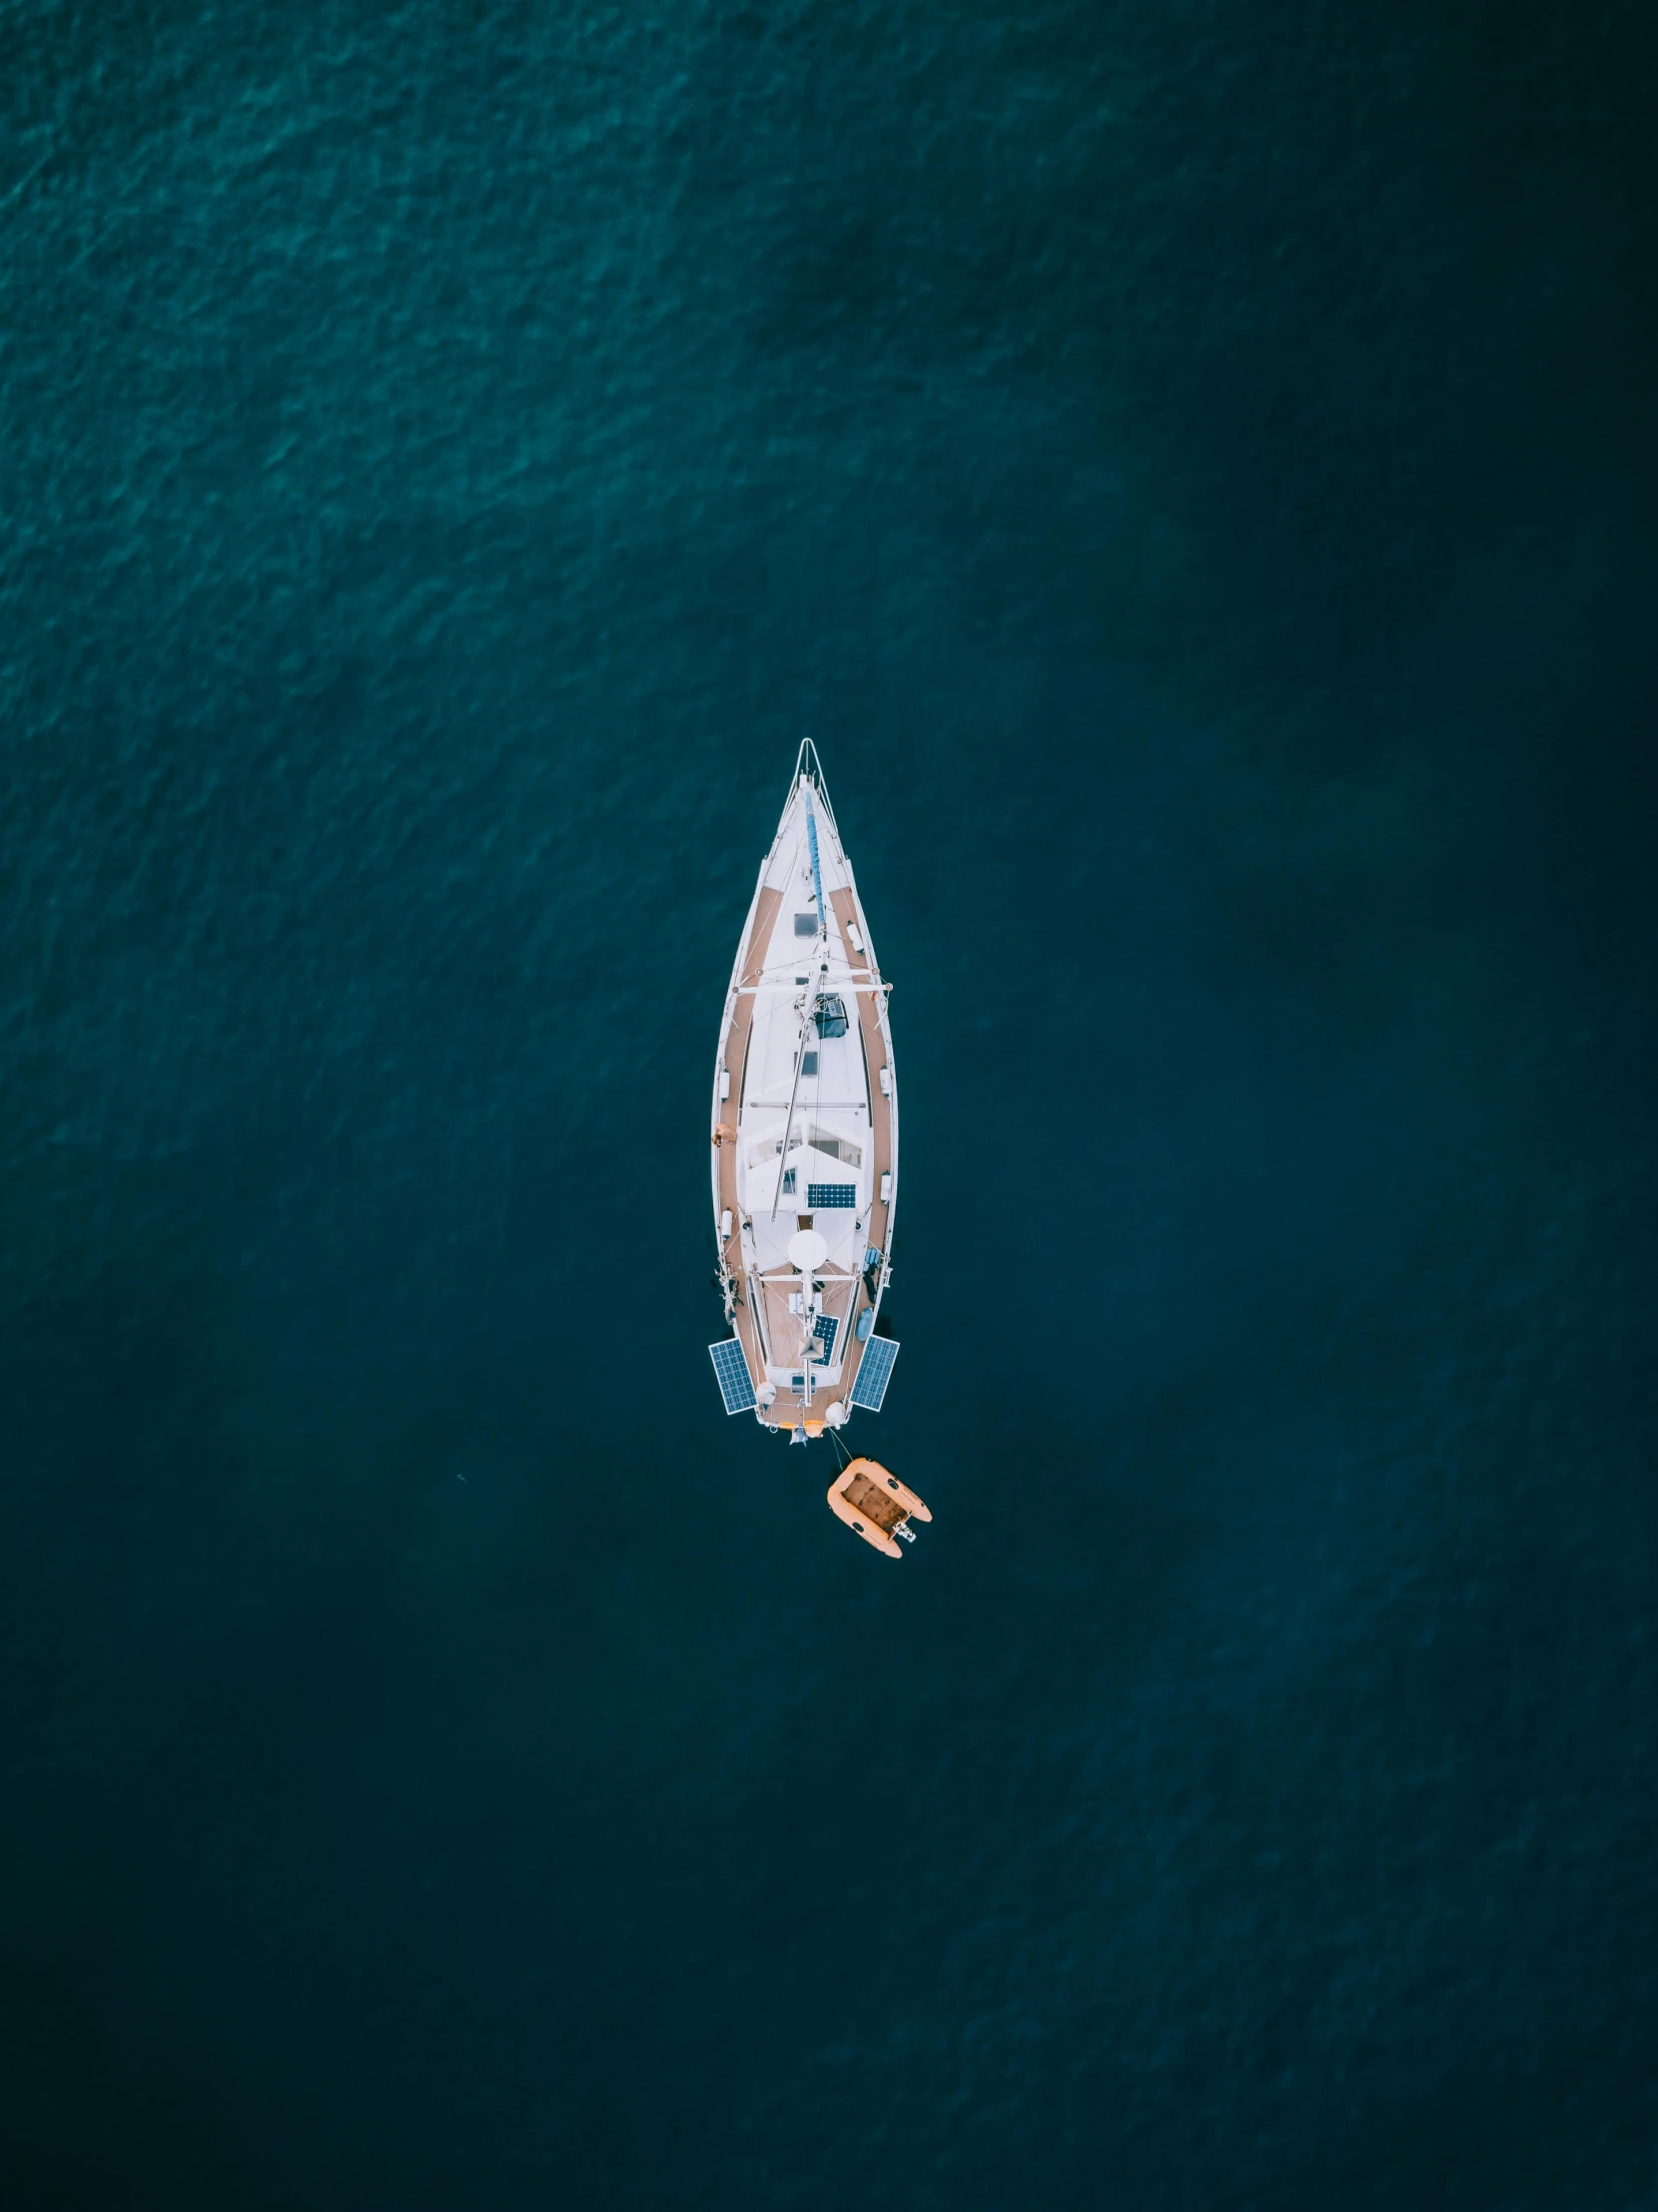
(1190, 468)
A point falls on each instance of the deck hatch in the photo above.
(828, 1194)
(731, 1373)
(868, 1386)
(805, 925)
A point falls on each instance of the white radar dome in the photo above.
(807, 1249)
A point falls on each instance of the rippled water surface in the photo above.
(1190, 468)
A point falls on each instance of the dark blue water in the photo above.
(1191, 470)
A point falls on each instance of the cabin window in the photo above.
(788, 1182)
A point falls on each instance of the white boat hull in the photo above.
(804, 1126)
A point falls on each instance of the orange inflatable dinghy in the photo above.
(876, 1505)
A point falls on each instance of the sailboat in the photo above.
(804, 1158)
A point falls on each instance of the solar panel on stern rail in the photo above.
(868, 1386)
(731, 1373)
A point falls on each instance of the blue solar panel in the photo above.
(827, 1324)
(869, 1387)
(731, 1373)
(827, 1194)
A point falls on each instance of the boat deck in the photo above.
(762, 1318)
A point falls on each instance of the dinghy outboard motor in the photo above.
(876, 1505)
